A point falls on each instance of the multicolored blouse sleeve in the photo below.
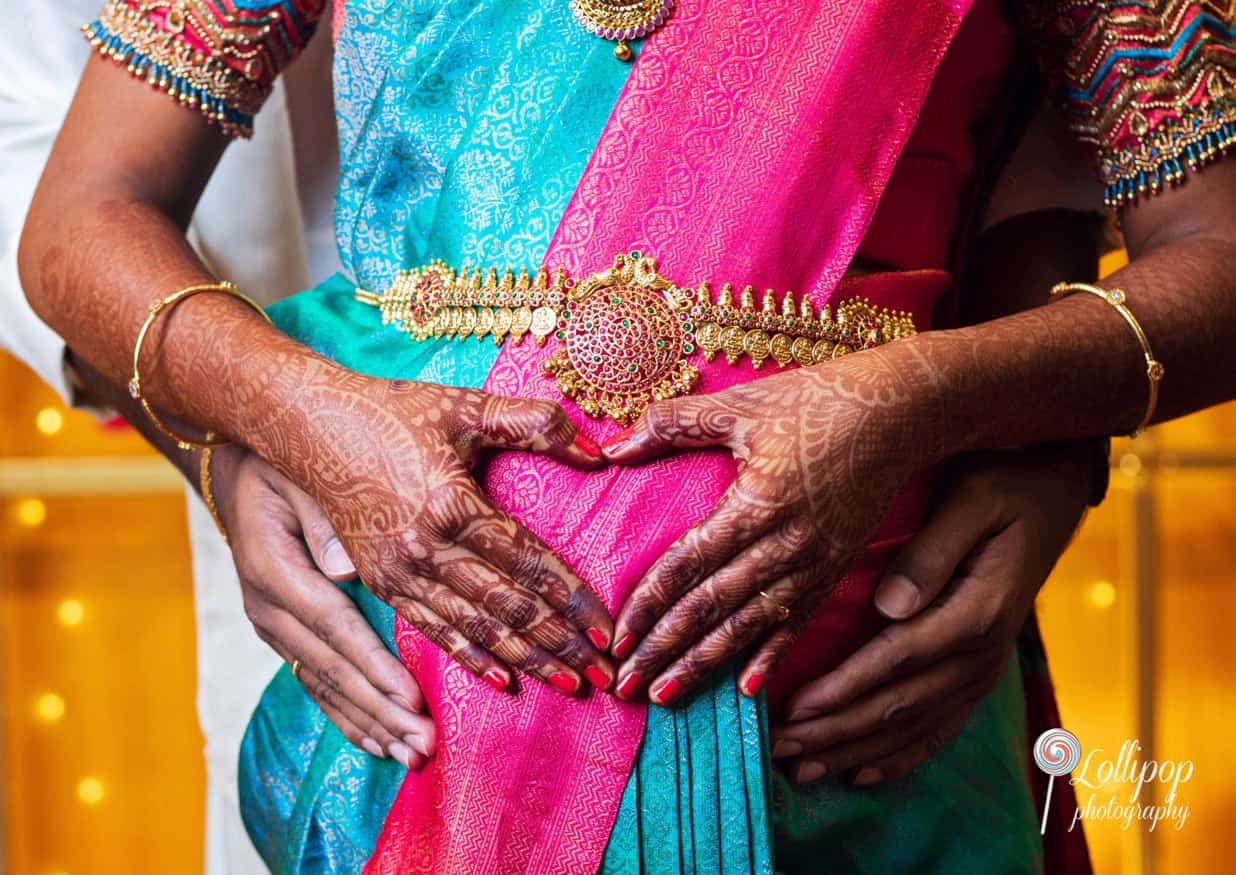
(220, 57)
(1150, 84)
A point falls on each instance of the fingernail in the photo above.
(666, 691)
(628, 685)
(336, 559)
(786, 748)
(497, 680)
(754, 683)
(624, 647)
(588, 445)
(614, 440)
(417, 743)
(800, 713)
(597, 637)
(563, 682)
(897, 596)
(372, 747)
(867, 775)
(402, 754)
(597, 678)
(810, 772)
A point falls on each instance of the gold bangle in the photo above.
(135, 382)
(1154, 368)
(208, 494)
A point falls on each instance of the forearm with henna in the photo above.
(1074, 368)
(105, 238)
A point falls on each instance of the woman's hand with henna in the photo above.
(821, 452)
(960, 592)
(389, 461)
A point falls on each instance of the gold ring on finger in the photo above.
(783, 612)
(296, 667)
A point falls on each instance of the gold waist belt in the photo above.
(627, 334)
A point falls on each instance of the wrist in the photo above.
(290, 403)
(218, 481)
(923, 400)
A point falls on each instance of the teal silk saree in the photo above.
(465, 128)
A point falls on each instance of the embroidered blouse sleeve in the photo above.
(1150, 84)
(220, 57)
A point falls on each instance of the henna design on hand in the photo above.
(821, 453)
(388, 460)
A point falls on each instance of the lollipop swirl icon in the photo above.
(1056, 752)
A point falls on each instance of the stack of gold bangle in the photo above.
(1117, 299)
(211, 440)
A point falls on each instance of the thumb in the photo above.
(672, 424)
(535, 426)
(324, 545)
(925, 565)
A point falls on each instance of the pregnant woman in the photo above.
(697, 482)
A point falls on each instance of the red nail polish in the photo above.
(598, 639)
(624, 647)
(497, 680)
(588, 445)
(618, 438)
(563, 682)
(666, 691)
(597, 678)
(629, 685)
(754, 684)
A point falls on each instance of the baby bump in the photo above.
(611, 525)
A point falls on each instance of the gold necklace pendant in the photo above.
(621, 20)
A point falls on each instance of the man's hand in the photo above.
(959, 593)
(280, 539)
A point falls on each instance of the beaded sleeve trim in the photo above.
(1151, 83)
(220, 57)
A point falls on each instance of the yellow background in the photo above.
(1138, 620)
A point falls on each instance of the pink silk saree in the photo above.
(751, 141)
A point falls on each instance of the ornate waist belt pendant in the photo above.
(627, 333)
